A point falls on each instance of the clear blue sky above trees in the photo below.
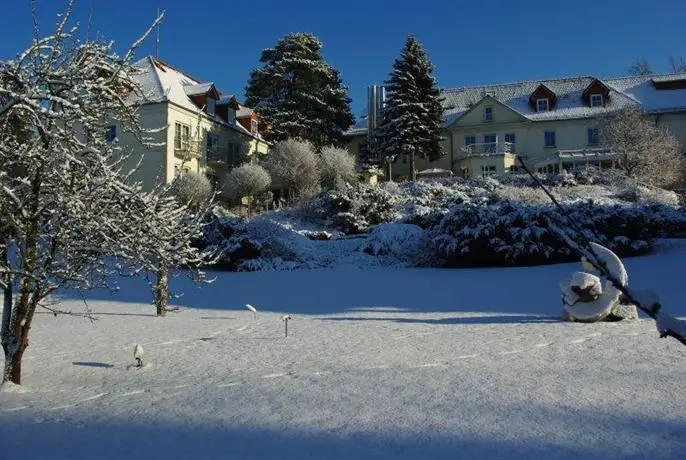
(469, 42)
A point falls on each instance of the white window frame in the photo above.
(488, 170)
(487, 111)
(253, 126)
(182, 136)
(597, 97)
(542, 100)
(545, 140)
(596, 137)
(467, 139)
(512, 136)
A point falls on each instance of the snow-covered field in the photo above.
(379, 363)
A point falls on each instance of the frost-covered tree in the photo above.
(677, 65)
(69, 214)
(640, 67)
(192, 189)
(162, 233)
(413, 114)
(246, 180)
(298, 94)
(644, 150)
(294, 166)
(337, 167)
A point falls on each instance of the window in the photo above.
(550, 139)
(234, 153)
(512, 140)
(596, 100)
(469, 140)
(488, 114)
(490, 143)
(181, 135)
(253, 126)
(110, 133)
(212, 141)
(487, 170)
(211, 106)
(542, 105)
(592, 136)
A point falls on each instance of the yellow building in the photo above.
(197, 127)
(550, 124)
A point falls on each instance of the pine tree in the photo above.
(299, 95)
(413, 114)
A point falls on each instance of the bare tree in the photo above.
(294, 166)
(643, 150)
(640, 67)
(191, 189)
(677, 65)
(66, 202)
(162, 235)
(337, 167)
(246, 180)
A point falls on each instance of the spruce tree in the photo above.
(299, 95)
(413, 116)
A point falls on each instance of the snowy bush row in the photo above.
(476, 222)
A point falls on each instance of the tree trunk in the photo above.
(13, 355)
(7, 305)
(413, 170)
(162, 291)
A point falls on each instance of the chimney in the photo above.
(376, 100)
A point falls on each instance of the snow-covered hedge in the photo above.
(509, 233)
(451, 222)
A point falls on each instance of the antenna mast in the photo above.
(157, 41)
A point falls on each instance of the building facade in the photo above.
(194, 127)
(550, 124)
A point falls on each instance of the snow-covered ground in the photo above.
(379, 363)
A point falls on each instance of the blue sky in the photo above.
(469, 42)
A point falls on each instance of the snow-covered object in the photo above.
(582, 297)
(252, 309)
(404, 242)
(666, 322)
(138, 354)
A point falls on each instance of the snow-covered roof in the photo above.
(196, 90)
(244, 111)
(625, 92)
(161, 82)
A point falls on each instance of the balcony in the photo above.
(186, 150)
(488, 148)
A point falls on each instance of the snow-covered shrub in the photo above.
(512, 234)
(526, 195)
(337, 168)
(294, 165)
(191, 188)
(636, 193)
(404, 243)
(246, 180)
(357, 207)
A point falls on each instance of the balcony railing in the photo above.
(488, 148)
(186, 149)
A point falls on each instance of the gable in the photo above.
(501, 114)
(543, 92)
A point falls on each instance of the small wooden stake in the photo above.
(285, 319)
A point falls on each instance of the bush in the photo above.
(512, 234)
(191, 189)
(404, 243)
(294, 166)
(246, 180)
(337, 168)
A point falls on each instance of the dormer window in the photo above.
(542, 105)
(253, 126)
(488, 114)
(211, 106)
(596, 100)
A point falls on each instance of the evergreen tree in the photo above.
(413, 116)
(299, 95)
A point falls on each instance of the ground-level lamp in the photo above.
(285, 319)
